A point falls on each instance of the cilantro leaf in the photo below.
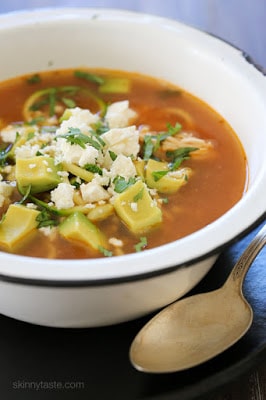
(112, 155)
(179, 155)
(68, 102)
(4, 154)
(148, 147)
(138, 196)
(34, 79)
(89, 77)
(46, 218)
(104, 251)
(142, 244)
(93, 168)
(121, 184)
(157, 175)
(75, 136)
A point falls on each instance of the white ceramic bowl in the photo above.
(110, 290)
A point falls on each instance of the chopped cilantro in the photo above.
(25, 195)
(153, 142)
(148, 147)
(75, 136)
(138, 196)
(4, 154)
(30, 135)
(35, 121)
(179, 155)
(34, 79)
(112, 155)
(157, 175)
(99, 128)
(121, 184)
(68, 102)
(46, 218)
(93, 168)
(105, 252)
(89, 77)
(141, 244)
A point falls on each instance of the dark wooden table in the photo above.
(241, 22)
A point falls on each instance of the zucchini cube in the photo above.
(136, 208)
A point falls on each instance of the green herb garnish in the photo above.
(75, 136)
(138, 196)
(105, 252)
(89, 77)
(157, 175)
(93, 168)
(69, 103)
(142, 244)
(179, 155)
(34, 79)
(4, 154)
(46, 218)
(121, 184)
(112, 155)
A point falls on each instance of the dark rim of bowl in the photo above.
(71, 283)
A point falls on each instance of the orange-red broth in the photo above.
(218, 179)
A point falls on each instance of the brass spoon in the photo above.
(197, 328)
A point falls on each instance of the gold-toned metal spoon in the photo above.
(197, 328)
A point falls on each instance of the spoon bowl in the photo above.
(197, 328)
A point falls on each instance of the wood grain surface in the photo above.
(241, 22)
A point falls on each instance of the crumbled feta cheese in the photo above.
(81, 119)
(134, 206)
(119, 115)
(32, 206)
(115, 242)
(73, 153)
(31, 166)
(62, 195)
(123, 166)
(26, 150)
(49, 231)
(63, 174)
(6, 189)
(92, 192)
(9, 134)
(122, 140)
(88, 156)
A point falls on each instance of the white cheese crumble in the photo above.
(123, 166)
(62, 195)
(123, 141)
(116, 242)
(134, 206)
(92, 192)
(119, 115)
(26, 150)
(6, 190)
(80, 118)
(9, 133)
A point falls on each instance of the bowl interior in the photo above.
(203, 65)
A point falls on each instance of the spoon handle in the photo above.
(243, 264)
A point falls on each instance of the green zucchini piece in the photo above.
(78, 228)
(115, 85)
(166, 183)
(39, 172)
(137, 209)
(18, 222)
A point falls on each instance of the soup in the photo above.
(97, 163)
